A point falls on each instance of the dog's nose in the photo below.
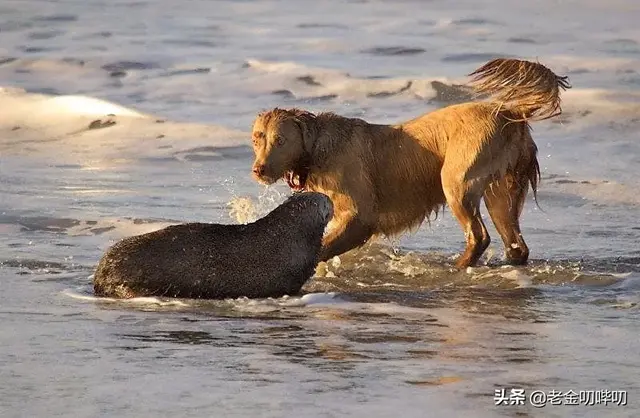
(258, 170)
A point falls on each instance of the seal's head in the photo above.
(282, 143)
(310, 205)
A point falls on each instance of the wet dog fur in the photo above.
(386, 179)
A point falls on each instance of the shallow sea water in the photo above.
(391, 329)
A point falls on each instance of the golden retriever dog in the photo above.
(386, 179)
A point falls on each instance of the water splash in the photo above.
(244, 209)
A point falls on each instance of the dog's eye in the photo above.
(280, 140)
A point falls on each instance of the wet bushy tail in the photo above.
(533, 175)
(528, 89)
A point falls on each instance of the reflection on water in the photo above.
(374, 341)
(391, 341)
(464, 327)
(469, 340)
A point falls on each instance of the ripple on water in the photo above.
(474, 57)
(393, 51)
(57, 18)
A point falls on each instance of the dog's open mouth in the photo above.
(297, 180)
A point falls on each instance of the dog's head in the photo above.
(282, 143)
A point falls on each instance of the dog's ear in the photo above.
(307, 136)
(306, 123)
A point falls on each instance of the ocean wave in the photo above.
(94, 67)
(303, 83)
(39, 123)
(293, 83)
(308, 83)
(114, 228)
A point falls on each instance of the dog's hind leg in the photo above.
(464, 202)
(504, 200)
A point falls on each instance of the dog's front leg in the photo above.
(348, 234)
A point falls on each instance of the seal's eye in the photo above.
(279, 140)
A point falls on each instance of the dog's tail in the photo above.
(529, 89)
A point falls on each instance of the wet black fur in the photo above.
(271, 257)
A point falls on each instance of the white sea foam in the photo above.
(320, 299)
(518, 277)
(272, 304)
(85, 294)
(409, 264)
(243, 304)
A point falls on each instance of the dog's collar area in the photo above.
(297, 180)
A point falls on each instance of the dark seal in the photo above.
(271, 257)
